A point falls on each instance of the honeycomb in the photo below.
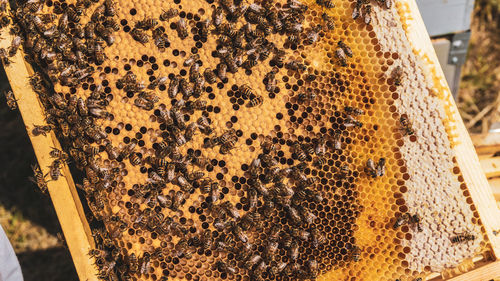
(241, 140)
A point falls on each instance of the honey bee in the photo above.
(160, 39)
(239, 233)
(204, 29)
(223, 267)
(312, 35)
(295, 66)
(303, 97)
(257, 101)
(182, 30)
(355, 253)
(320, 146)
(206, 239)
(139, 35)
(279, 57)
(300, 234)
(387, 3)
(319, 162)
(11, 100)
(222, 71)
(41, 130)
(270, 81)
(169, 14)
(98, 253)
(184, 184)
(325, 3)
(268, 146)
(275, 270)
(375, 171)
(112, 24)
(344, 171)
(402, 219)
(135, 159)
(293, 251)
(367, 14)
(312, 268)
(341, 56)
(220, 224)
(349, 122)
(406, 125)
(58, 154)
(179, 199)
(293, 39)
(14, 45)
(4, 21)
(110, 8)
(307, 215)
(268, 160)
(127, 150)
(381, 167)
(191, 60)
(245, 91)
(253, 260)
(39, 178)
(397, 75)
(4, 57)
(55, 170)
(252, 198)
(230, 209)
(415, 220)
(463, 237)
(210, 76)
(330, 25)
(186, 88)
(194, 72)
(249, 63)
(181, 248)
(146, 264)
(317, 238)
(98, 13)
(353, 111)
(164, 201)
(146, 23)
(173, 87)
(293, 215)
(299, 152)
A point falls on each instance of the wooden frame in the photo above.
(466, 156)
(62, 192)
(72, 218)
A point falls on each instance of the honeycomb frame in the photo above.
(465, 156)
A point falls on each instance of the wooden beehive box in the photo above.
(405, 16)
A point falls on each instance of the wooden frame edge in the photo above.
(483, 273)
(466, 156)
(62, 192)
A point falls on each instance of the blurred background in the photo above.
(466, 37)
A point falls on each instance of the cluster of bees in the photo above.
(67, 51)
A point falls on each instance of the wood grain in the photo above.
(491, 166)
(484, 273)
(486, 143)
(62, 192)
